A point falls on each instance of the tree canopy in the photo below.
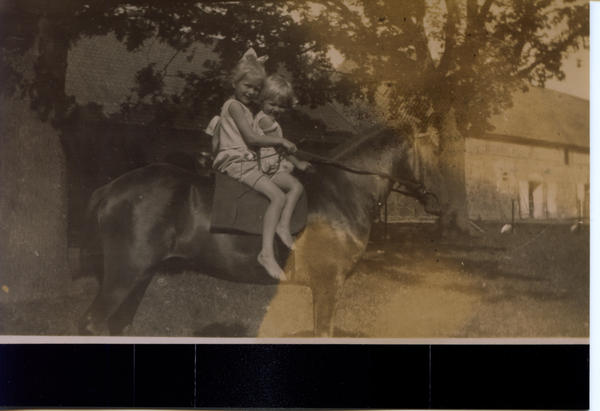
(471, 54)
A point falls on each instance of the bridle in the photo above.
(416, 190)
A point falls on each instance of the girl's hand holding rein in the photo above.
(303, 165)
(289, 147)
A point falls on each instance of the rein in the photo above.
(419, 188)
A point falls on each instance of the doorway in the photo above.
(532, 202)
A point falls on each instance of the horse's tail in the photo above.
(91, 259)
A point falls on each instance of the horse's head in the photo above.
(400, 153)
(417, 163)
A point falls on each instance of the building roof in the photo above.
(101, 75)
(544, 117)
(101, 71)
(539, 117)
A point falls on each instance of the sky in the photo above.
(577, 70)
(577, 82)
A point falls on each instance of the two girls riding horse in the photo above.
(160, 212)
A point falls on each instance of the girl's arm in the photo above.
(265, 123)
(250, 137)
(300, 165)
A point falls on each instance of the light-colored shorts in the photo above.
(272, 163)
(247, 172)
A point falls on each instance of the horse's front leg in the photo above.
(325, 298)
(324, 258)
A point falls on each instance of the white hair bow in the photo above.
(251, 55)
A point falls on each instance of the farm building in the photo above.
(535, 162)
(537, 158)
(101, 142)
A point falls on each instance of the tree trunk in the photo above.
(455, 216)
(33, 200)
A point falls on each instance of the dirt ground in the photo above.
(412, 284)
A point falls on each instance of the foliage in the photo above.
(230, 29)
(425, 55)
(469, 55)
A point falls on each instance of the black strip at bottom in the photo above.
(296, 376)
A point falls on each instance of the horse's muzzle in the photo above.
(431, 204)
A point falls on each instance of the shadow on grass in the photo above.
(337, 333)
(221, 330)
(536, 257)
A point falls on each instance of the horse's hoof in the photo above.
(126, 330)
(87, 328)
(431, 204)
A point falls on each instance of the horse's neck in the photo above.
(352, 200)
(384, 155)
(346, 201)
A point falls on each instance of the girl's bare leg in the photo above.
(293, 190)
(277, 199)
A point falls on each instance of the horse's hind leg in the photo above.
(126, 312)
(121, 278)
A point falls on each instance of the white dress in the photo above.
(270, 161)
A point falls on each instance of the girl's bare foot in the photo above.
(272, 267)
(286, 237)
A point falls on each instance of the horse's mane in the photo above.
(363, 142)
(353, 143)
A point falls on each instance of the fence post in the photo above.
(512, 223)
(385, 221)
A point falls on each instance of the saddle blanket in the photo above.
(237, 207)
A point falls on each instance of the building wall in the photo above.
(554, 181)
(544, 183)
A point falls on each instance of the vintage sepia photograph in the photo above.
(357, 170)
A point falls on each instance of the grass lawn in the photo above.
(413, 284)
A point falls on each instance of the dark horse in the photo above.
(161, 212)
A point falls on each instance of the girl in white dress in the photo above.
(275, 98)
(234, 134)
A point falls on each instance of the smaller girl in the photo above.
(234, 133)
(275, 98)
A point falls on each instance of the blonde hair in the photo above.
(249, 64)
(279, 90)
